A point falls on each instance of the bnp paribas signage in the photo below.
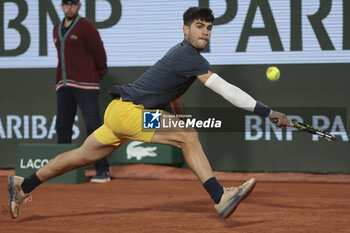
(26, 127)
(245, 31)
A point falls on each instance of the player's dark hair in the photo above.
(202, 13)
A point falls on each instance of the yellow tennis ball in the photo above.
(273, 73)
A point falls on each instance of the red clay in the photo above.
(148, 171)
(135, 205)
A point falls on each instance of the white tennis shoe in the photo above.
(233, 196)
(16, 194)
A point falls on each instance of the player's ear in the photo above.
(186, 30)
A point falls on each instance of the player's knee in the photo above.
(189, 137)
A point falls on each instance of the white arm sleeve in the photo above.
(231, 93)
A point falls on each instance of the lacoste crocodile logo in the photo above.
(135, 150)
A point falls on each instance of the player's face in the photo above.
(70, 10)
(198, 33)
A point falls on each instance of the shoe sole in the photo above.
(236, 200)
(100, 180)
(10, 185)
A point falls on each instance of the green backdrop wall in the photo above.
(27, 110)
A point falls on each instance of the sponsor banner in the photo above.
(141, 152)
(245, 32)
(29, 127)
(33, 163)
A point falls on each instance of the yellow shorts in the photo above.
(123, 120)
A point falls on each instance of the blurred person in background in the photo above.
(82, 62)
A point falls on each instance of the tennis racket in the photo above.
(307, 128)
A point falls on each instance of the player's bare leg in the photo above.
(187, 139)
(91, 151)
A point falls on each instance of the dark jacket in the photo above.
(83, 62)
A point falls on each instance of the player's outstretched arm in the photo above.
(239, 98)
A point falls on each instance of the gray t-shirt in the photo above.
(166, 80)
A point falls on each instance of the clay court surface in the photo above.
(171, 200)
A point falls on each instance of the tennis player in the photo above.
(164, 83)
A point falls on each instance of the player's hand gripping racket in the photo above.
(307, 128)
